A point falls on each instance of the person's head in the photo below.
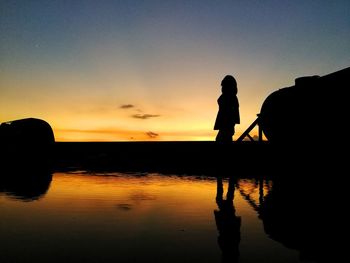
(229, 84)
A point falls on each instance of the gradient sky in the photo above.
(151, 70)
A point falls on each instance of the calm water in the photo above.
(80, 217)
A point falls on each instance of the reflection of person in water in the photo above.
(228, 114)
(227, 223)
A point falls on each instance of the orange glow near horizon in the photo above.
(113, 116)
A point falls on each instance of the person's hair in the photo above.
(229, 80)
(229, 83)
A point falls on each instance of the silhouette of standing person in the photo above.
(227, 223)
(228, 114)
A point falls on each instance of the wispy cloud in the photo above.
(124, 207)
(127, 106)
(144, 116)
(152, 134)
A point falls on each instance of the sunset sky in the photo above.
(151, 70)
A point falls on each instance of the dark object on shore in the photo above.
(311, 111)
(184, 157)
(26, 144)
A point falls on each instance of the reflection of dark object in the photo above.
(305, 215)
(29, 188)
(301, 216)
(310, 111)
(26, 142)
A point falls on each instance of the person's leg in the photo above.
(232, 132)
(219, 136)
(225, 135)
(231, 188)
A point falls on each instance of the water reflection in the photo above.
(27, 187)
(128, 218)
(227, 223)
(296, 214)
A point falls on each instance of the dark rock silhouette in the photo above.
(26, 144)
(24, 131)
